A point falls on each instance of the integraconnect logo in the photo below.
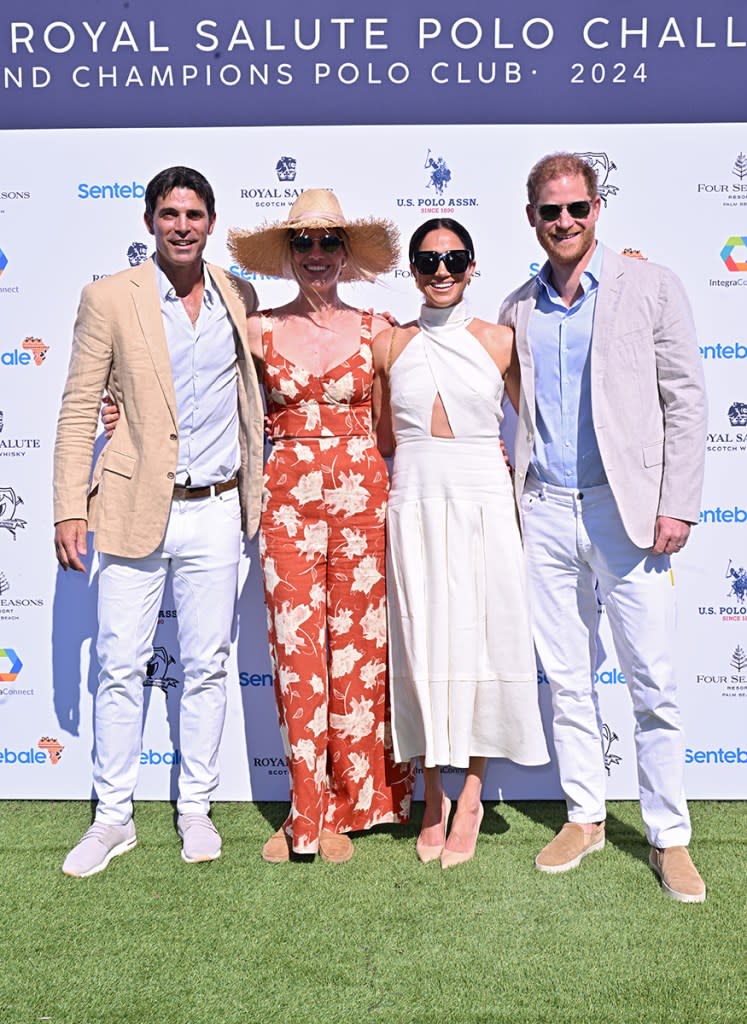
(726, 684)
(10, 665)
(112, 190)
(33, 351)
(9, 502)
(3, 262)
(48, 751)
(602, 167)
(735, 264)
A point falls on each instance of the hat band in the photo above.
(332, 218)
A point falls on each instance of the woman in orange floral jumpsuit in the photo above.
(322, 533)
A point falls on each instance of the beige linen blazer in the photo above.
(119, 343)
(647, 392)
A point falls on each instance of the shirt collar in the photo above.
(589, 278)
(168, 293)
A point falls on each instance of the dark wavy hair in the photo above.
(178, 177)
(433, 225)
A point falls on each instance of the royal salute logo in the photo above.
(271, 196)
(9, 520)
(285, 168)
(137, 253)
(157, 668)
(724, 683)
(602, 167)
(731, 439)
(608, 738)
(16, 446)
(437, 197)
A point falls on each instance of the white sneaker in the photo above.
(200, 838)
(97, 847)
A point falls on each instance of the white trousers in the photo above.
(200, 551)
(577, 548)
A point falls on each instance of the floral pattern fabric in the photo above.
(322, 552)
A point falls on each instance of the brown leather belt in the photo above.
(205, 492)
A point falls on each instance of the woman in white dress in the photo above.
(463, 676)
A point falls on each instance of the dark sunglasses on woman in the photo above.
(305, 243)
(456, 261)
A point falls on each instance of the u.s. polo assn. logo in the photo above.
(609, 737)
(437, 197)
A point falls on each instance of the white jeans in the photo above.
(200, 550)
(576, 547)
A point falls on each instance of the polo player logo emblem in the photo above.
(610, 737)
(603, 167)
(156, 669)
(440, 175)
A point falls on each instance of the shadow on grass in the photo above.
(625, 837)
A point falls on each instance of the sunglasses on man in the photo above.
(579, 210)
(305, 243)
(456, 261)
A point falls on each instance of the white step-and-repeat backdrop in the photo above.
(405, 113)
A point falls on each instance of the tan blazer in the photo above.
(119, 343)
(647, 392)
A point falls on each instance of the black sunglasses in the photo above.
(305, 243)
(579, 210)
(456, 261)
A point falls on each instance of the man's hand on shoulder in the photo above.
(70, 543)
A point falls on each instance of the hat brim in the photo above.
(373, 247)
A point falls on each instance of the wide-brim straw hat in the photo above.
(372, 245)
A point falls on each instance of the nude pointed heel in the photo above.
(427, 853)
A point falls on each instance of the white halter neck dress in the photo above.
(463, 675)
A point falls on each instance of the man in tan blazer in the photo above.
(169, 495)
(609, 455)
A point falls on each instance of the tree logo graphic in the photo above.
(740, 167)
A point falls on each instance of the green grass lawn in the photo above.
(382, 938)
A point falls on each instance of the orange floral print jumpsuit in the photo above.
(322, 552)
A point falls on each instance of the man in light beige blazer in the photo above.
(168, 497)
(609, 459)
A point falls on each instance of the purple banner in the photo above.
(179, 63)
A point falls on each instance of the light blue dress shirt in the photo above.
(203, 364)
(565, 448)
